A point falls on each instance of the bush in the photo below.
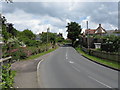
(20, 54)
(7, 77)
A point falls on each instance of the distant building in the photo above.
(99, 31)
(60, 35)
(38, 37)
(113, 32)
(90, 31)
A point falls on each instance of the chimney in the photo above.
(99, 25)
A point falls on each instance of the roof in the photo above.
(100, 30)
(90, 31)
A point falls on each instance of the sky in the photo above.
(38, 16)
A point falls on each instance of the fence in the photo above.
(103, 55)
(3, 61)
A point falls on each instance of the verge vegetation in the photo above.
(102, 61)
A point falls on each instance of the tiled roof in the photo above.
(90, 31)
(99, 30)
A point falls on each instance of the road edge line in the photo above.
(38, 65)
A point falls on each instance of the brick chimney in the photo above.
(99, 25)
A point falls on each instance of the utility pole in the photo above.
(88, 37)
(47, 33)
(47, 39)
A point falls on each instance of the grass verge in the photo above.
(40, 54)
(102, 61)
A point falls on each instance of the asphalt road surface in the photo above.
(65, 68)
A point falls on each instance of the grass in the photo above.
(40, 54)
(99, 60)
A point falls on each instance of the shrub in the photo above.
(19, 54)
(7, 77)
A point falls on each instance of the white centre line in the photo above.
(99, 82)
(71, 62)
(66, 54)
(76, 69)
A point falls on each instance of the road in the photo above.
(65, 68)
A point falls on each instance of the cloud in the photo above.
(23, 20)
(38, 16)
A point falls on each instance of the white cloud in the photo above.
(65, 0)
(39, 16)
(23, 20)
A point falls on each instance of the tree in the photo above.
(74, 30)
(3, 20)
(9, 1)
(51, 37)
(29, 34)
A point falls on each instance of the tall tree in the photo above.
(29, 34)
(9, 1)
(74, 30)
(51, 37)
(3, 20)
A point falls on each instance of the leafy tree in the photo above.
(73, 30)
(29, 34)
(60, 39)
(51, 37)
(3, 20)
(111, 43)
(9, 1)
(5, 34)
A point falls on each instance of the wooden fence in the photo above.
(103, 55)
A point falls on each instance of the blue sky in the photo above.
(38, 16)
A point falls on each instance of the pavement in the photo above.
(65, 68)
(26, 76)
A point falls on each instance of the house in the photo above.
(90, 31)
(117, 32)
(113, 32)
(38, 37)
(60, 35)
(99, 31)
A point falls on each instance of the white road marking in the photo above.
(39, 64)
(99, 82)
(71, 62)
(66, 55)
(38, 71)
(101, 66)
(76, 69)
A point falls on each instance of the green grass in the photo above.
(102, 61)
(40, 54)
